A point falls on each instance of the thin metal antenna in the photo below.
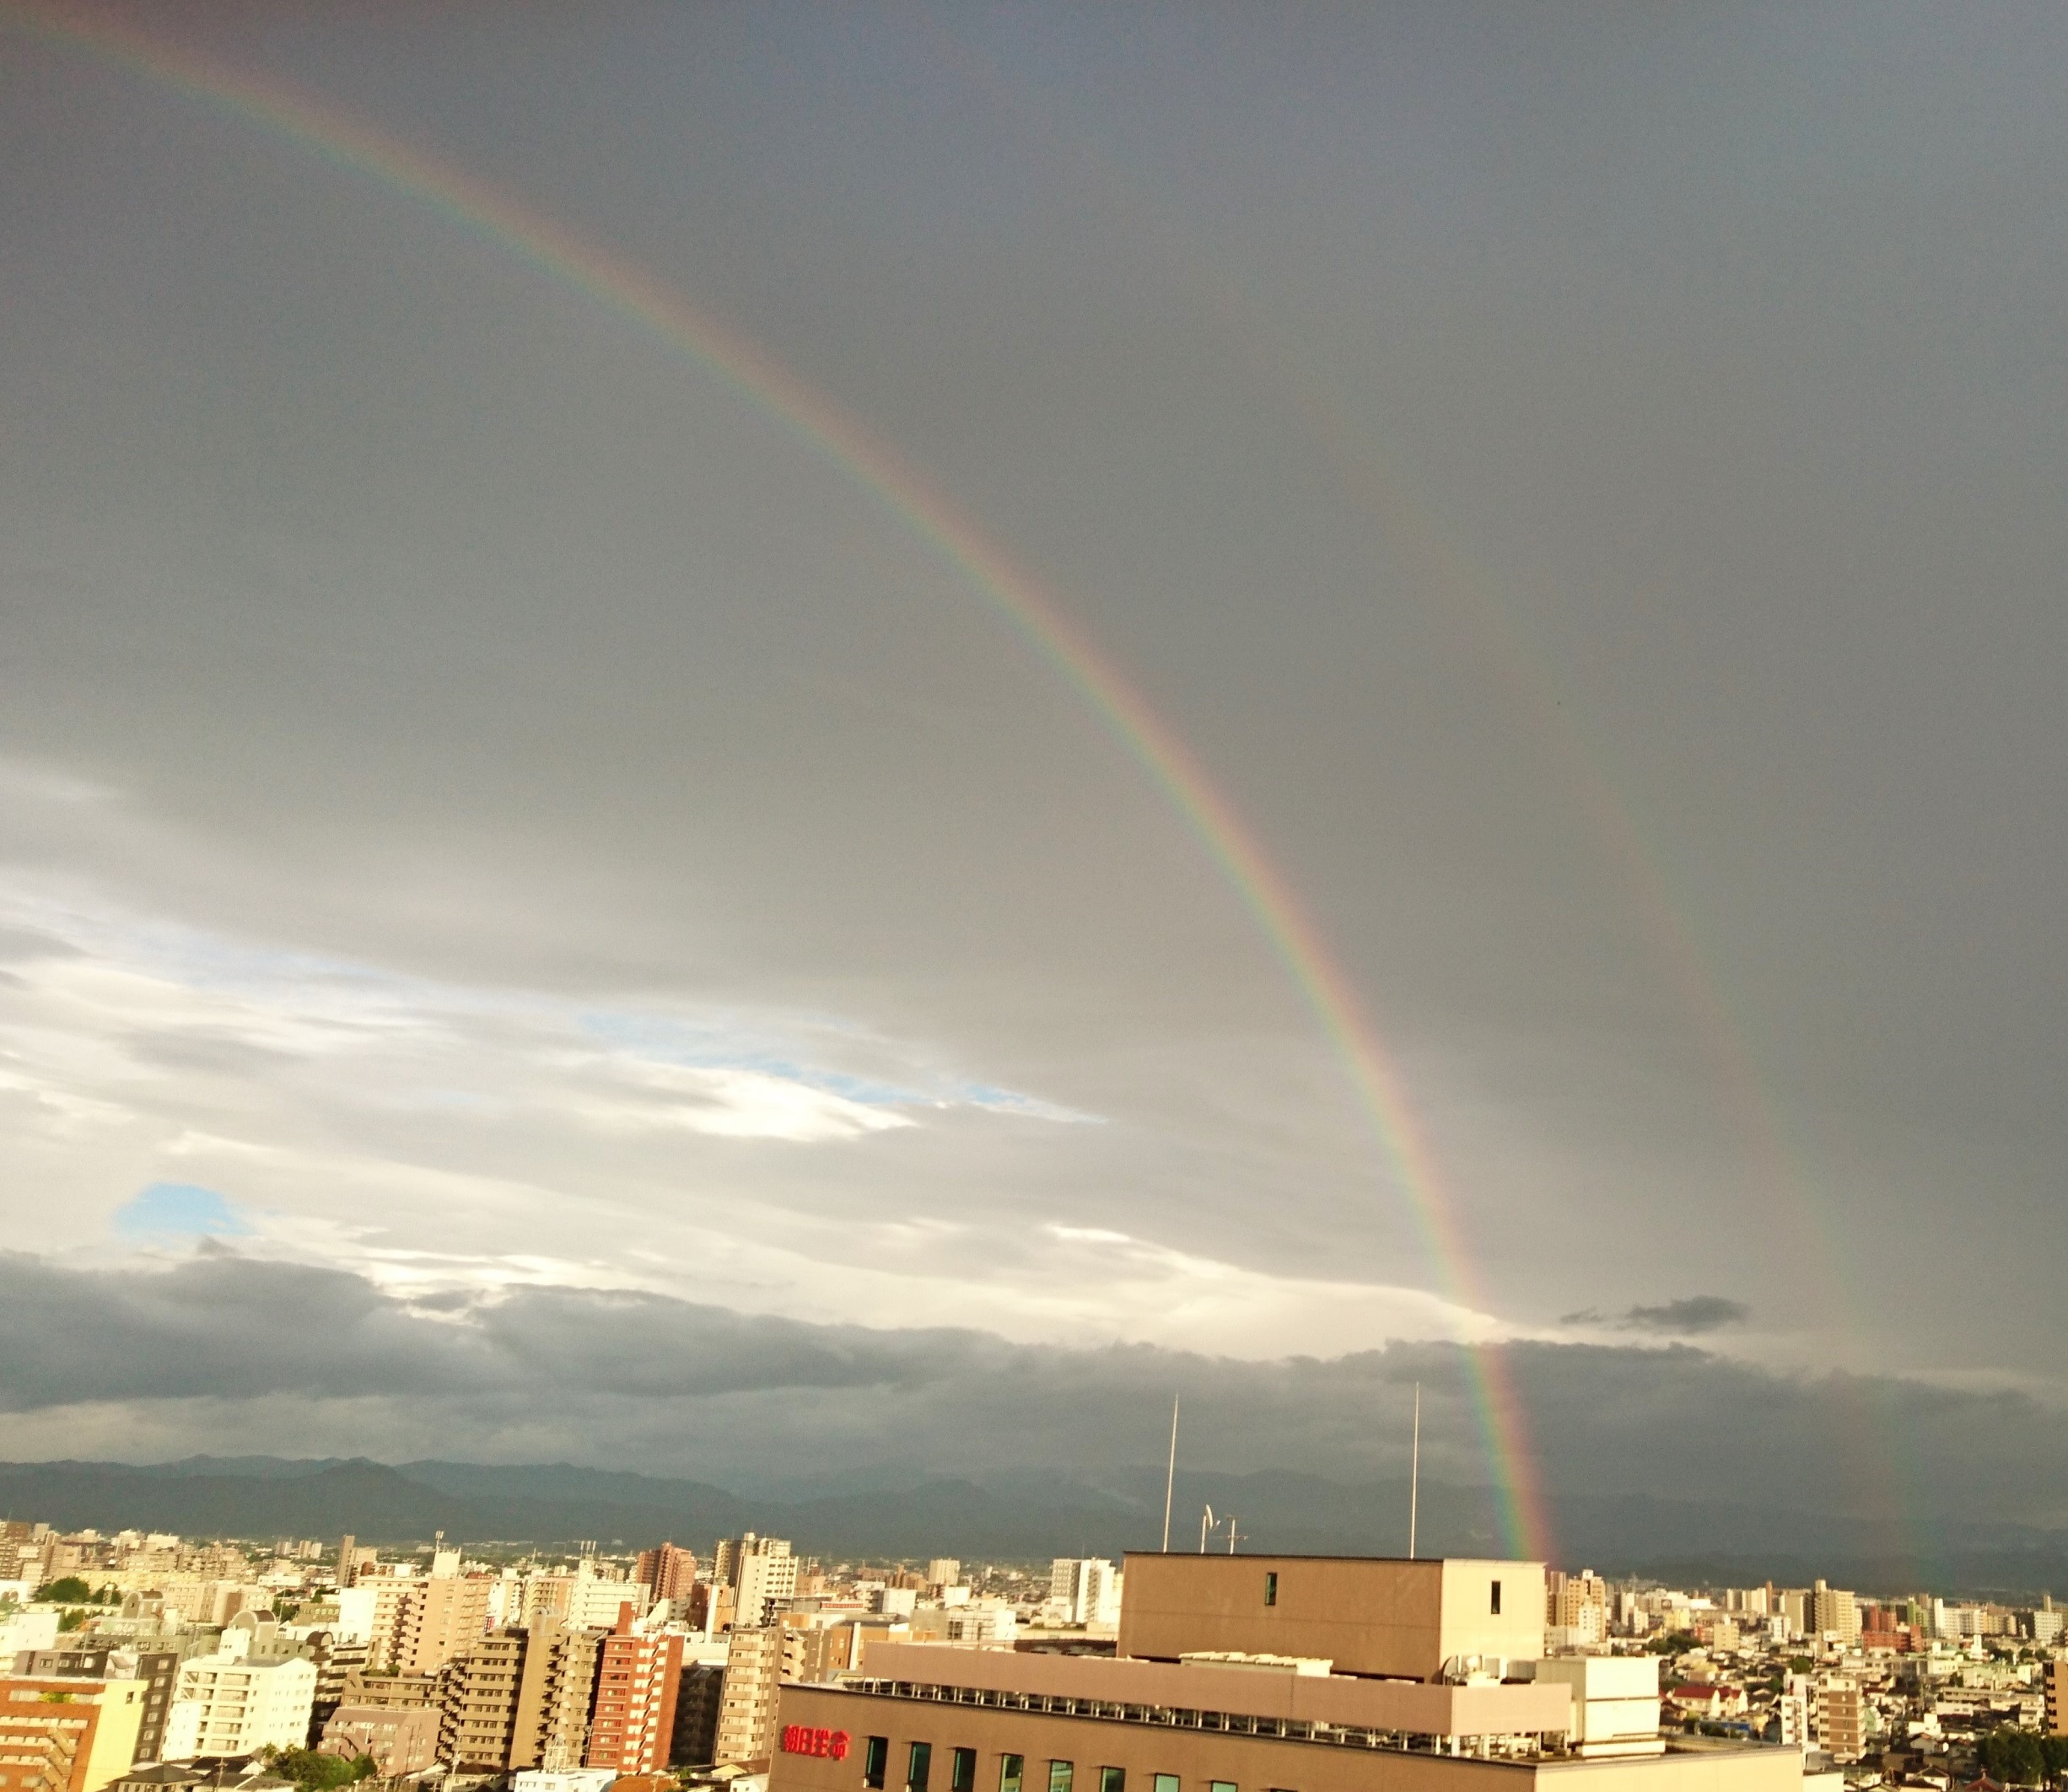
(1206, 1524)
(1414, 1471)
(1232, 1533)
(1170, 1477)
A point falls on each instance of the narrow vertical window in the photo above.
(1010, 1769)
(920, 1765)
(1112, 1779)
(1167, 1783)
(1495, 1607)
(962, 1771)
(1270, 1588)
(1060, 1773)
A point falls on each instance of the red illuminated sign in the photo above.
(801, 1739)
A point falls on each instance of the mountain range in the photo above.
(1029, 1519)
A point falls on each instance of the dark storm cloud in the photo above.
(1685, 1318)
(1697, 1313)
(220, 1324)
(196, 1351)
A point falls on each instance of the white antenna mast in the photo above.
(1206, 1524)
(1170, 1477)
(1414, 1471)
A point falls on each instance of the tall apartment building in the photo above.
(18, 1540)
(758, 1659)
(520, 1699)
(1084, 1591)
(761, 1573)
(1791, 1712)
(2054, 1688)
(1833, 1613)
(554, 1701)
(386, 1611)
(159, 1668)
(595, 1604)
(632, 1730)
(440, 1618)
(477, 1703)
(1578, 1605)
(696, 1696)
(666, 1573)
(1837, 1718)
(226, 1705)
(336, 1659)
(63, 1735)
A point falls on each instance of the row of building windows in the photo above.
(1011, 1773)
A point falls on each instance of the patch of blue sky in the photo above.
(998, 1101)
(179, 1210)
(726, 1045)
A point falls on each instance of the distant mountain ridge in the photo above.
(1029, 1519)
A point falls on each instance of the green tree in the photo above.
(2013, 1755)
(315, 1772)
(70, 1592)
(74, 1619)
(2054, 1752)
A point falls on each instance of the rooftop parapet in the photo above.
(1398, 1707)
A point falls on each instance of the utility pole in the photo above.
(1414, 1471)
(1170, 1477)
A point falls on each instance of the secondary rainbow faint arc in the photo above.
(1006, 587)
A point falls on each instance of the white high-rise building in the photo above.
(762, 1574)
(223, 1705)
(1084, 1590)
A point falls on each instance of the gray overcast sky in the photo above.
(482, 801)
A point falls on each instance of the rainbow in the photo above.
(1373, 476)
(1013, 594)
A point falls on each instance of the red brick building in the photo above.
(633, 1727)
(667, 1572)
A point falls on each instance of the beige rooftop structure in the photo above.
(1369, 1615)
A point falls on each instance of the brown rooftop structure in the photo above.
(1366, 1614)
